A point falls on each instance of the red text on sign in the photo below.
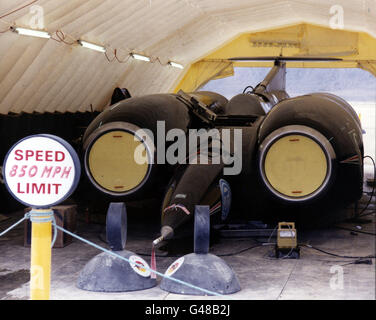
(46, 172)
(38, 188)
(39, 155)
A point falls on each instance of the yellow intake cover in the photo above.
(295, 165)
(118, 161)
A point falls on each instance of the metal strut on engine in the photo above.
(197, 107)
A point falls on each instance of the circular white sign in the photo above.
(140, 266)
(41, 171)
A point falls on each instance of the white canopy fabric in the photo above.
(46, 75)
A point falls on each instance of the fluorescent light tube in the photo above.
(176, 65)
(33, 33)
(140, 57)
(92, 46)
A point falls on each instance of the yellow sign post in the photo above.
(40, 269)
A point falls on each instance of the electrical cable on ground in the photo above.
(336, 255)
(358, 231)
(368, 213)
(359, 261)
(239, 252)
(217, 254)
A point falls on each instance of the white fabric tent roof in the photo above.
(42, 75)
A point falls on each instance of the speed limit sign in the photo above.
(41, 171)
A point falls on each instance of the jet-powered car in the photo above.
(285, 156)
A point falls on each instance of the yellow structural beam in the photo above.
(357, 49)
